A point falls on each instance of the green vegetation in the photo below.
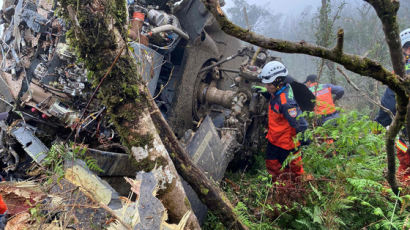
(60, 153)
(348, 190)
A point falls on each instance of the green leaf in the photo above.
(305, 223)
(364, 203)
(378, 212)
(318, 194)
(316, 215)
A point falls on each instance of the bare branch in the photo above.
(339, 10)
(322, 63)
(365, 94)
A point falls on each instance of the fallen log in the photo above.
(207, 191)
(120, 92)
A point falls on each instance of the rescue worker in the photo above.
(325, 94)
(283, 121)
(389, 101)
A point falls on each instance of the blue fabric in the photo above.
(336, 90)
(299, 123)
(388, 101)
(276, 153)
(3, 220)
(330, 117)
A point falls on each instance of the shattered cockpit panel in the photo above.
(31, 144)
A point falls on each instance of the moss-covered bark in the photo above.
(98, 34)
(101, 37)
(387, 12)
(394, 129)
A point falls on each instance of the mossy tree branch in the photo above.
(207, 191)
(128, 102)
(361, 65)
(98, 35)
(392, 132)
(387, 12)
(340, 40)
(395, 127)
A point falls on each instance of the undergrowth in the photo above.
(348, 191)
(60, 153)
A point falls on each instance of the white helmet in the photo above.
(405, 36)
(271, 71)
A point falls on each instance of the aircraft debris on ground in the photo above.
(203, 88)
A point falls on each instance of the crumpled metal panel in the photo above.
(209, 153)
(31, 144)
(150, 209)
(150, 61)
(113, 164)
(34, 20)
(192, 16)
(147, 212)
(206, 150)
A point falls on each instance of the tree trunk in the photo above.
(332, 72)
(207, 191)
(98, 33)
(323, 31)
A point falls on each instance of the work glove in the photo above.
(305, 142)
(259, 89)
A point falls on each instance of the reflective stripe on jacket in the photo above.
(401, 145)
(283, 118)
(324, 100)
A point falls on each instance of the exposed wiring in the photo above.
(90, 118)
(163, 87)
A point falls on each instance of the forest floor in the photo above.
(345, 189)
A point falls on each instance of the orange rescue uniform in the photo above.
(283, 125)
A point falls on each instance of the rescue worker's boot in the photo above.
(296, 166)
(293, 171)
(273, 167)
